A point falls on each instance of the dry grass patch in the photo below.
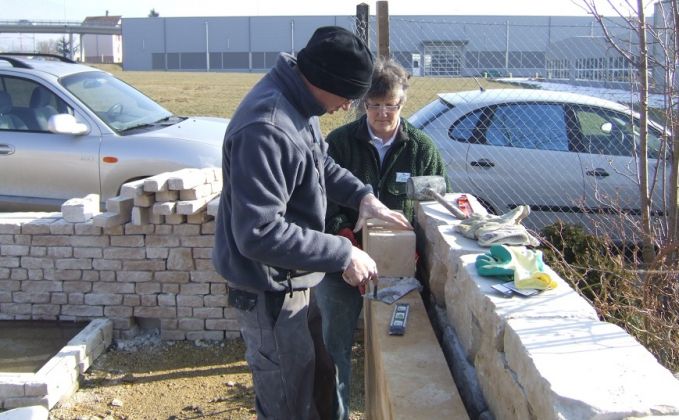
(219, 93)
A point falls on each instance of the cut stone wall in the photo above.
(543, 357)
(159, 275)
(145, 261)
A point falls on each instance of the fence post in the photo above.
(383, 28)
(362, 22)
(362, 26)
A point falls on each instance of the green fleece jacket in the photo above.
(412, 154)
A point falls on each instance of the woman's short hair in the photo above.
(388, 77)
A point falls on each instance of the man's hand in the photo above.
(361, 269)
(371, 207)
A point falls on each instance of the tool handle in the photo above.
(451, 208)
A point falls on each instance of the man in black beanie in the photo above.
(269, 240)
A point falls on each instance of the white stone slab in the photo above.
(213, 207)
(581, 369)
(186, 178)
(132, 189)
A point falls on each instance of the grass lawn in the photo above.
(218, 94)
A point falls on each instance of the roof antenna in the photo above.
(481, 88)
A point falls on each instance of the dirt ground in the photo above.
(145, 378)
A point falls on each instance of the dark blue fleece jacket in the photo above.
(277, 177)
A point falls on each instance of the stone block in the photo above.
(12, 388)
(191, 324)
(124, 253)
(196, 192)
(198, 218)
(62, 227)
(109, 219)
(180, 259)
(145, 200)
(206, 277)
(174, 277)
(190, 301)
(155, 312)
(407, 376)
(141, 265)
(175, 219)
(60, 252)
(132, 189)
(83, 310)
(205, 335)
(392, 249)
(120, 205)
(140, 216)
(193, 206)
(164, 208)
(14, 250)
(550, 357)
(19, 274)
(103, 299)
(128, 240)
(134, 276)
(186, 178)
(213, 207)
(157, 183)
(172, 335)
(205, 313)
(183, 231)
(81, 252)
(167, 299)
(27, 406)
(80, 210)
(166, 196)
(118, 311)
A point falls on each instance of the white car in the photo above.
(569, 156)
(68, 130)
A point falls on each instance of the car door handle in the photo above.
(482, 163)
(6, 149)
(598, 172)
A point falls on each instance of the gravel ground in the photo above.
(145, 378)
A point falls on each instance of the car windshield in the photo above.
(119, 105)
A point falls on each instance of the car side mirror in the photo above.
(66, 124)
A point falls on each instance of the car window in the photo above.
(119, 105)
(530, 126)
(613, 133)
(26, 105)
(429, 113)
(465, 129)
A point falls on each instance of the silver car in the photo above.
(68, 130)
(569, 156)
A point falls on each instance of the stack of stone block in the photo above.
(168, 198)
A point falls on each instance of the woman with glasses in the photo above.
(381, 149)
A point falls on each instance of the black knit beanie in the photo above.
(337, 61)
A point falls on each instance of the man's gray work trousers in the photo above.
(292, 372)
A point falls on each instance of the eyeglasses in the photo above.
(380, 107)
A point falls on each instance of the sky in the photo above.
(77, 10)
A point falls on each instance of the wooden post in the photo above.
(362, 31)
(362, 22)
(383, 28)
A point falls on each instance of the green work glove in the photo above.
(496, 262)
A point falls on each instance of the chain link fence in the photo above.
(518, 108)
